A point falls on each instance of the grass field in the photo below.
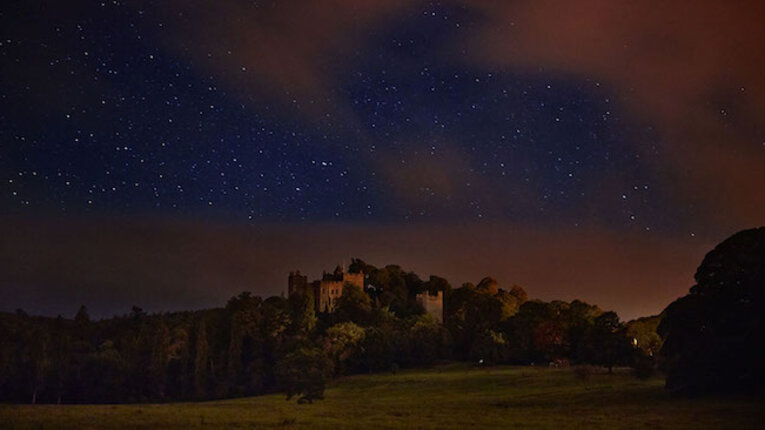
(453, 396)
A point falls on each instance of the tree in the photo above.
(304, 373)
(82, 318)
(38, 361)
(643, 331)
(519, 293)
(342, 343)
(609, 344)
(201, 358)
(359, 266)
(550, 340)
(510, 303)
(390, 288)
(489, 348)
(713, 335)
(427, 340)
(60, 357)
(521, 331)
(160, 357)
(471, 311)
(378, 348)
(302, 314)
(580, 320)
(488, 285)
(244, 317)
(103, 376)
(261, 352)
(353, 305)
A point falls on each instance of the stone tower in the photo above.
(433, 304)
(297, 283)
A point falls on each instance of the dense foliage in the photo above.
(713, 336)
(254, 346)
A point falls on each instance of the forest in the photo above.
(254, 345)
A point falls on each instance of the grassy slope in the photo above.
(447, 397)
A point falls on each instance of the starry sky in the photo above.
(172, 153)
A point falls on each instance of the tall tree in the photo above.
(161, 354)
(38, 360)
(302, 314)
(608, 341)
(60, 357)
(201, 361)
(353, 305)
(713, 335)
(304, 373)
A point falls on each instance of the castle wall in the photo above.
(297, 283)
(433, 304)
(330, 292)
(356, 279)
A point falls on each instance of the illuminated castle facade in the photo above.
(327, 290)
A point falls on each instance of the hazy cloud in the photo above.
(694, 71)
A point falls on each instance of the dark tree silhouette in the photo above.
(609, 343)
(201, 361)
(304, 373)
(713, 336)
(353, 305)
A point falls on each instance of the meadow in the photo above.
(446, 397)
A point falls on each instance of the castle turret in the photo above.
(433, 304)
(297, 283)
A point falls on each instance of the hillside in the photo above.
(453, 396)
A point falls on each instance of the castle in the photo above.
(327, 290)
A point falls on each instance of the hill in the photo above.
(452, 396)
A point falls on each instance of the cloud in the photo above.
(429, 178)
(694, 72)
(440, 181)
(285, 50)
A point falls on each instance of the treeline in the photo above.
(254, 346)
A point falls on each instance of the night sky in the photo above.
(170, 154)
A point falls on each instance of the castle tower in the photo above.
(297, 283)
(433, 304)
